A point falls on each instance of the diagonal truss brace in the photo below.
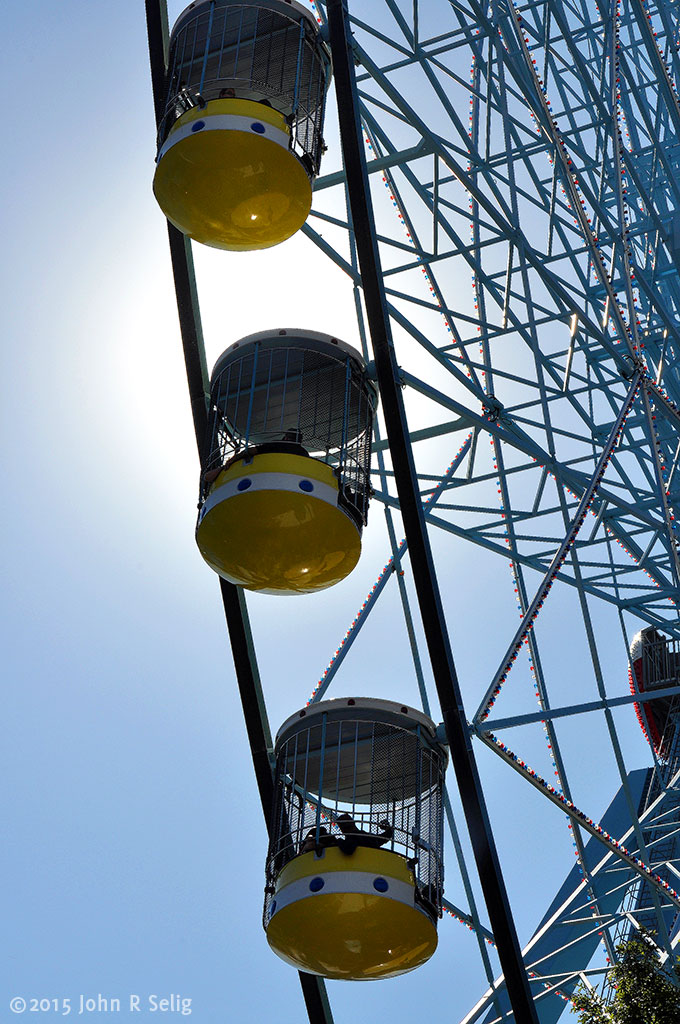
(560, 555)
(614, 846)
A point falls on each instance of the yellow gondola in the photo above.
(240, 142)
(272, 523)
(226, 176)
(354, 872)
(285, 488)
(353, 918)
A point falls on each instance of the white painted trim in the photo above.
(270, 482)
(343, 882)
(225, 122)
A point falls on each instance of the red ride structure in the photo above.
(655, 663)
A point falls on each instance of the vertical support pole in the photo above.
(419, 783)
(553, 196)
(322, 759)
(424, 575)
(251, 399)
(301, 42)
(204, 66)
(435, 206)
(508, 281)
(570, 351)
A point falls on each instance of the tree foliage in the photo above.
(646, 992)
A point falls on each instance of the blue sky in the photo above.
(135, 853)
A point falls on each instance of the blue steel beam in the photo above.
(414, 522)
(621, 196)
(565, 938)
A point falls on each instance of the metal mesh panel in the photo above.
(660, 666)
(354, 783)
(313, 402)
(249, 52)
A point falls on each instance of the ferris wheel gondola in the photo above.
(355, 865)
(285, 485)
(240, 141)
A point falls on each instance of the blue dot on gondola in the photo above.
(256, 126)
(316, 884)
(244, 484)
(380, 884)
(306, 485)
(197, 125)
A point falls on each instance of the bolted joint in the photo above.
(492, 408)
(631, 366)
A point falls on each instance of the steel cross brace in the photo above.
(527, 78)
(473, 418)
(507, 430)
(393, 99)
(560, 555)
(568, 178)
(657, 60)
(495, 213)
(614, 846)
(549, 714)
(391, 566)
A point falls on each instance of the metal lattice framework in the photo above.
(524, 165)
(531, 150)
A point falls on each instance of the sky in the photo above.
(134, 860)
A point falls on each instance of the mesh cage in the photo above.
(314, 401)
(658, 667)
(245, 51)
(354, 782)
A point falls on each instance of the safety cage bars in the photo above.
(360, 780)
(298, 395)
(657, 666)
(266, 51)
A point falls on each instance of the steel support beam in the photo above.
(549, 714)
(424, 574)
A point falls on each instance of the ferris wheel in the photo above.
(508, 222)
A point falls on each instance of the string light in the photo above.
(561, 554)
(576, 203)
(583, 820)
(403, 220)
(387, 571)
